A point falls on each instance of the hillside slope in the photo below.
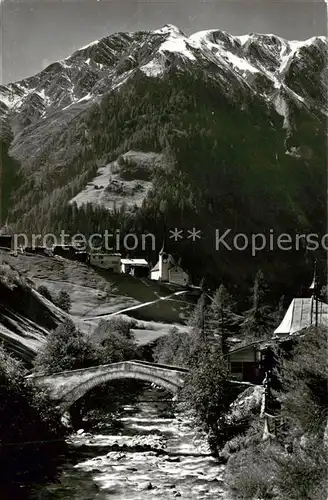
(26, 317)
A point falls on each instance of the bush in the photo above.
(63, 301)
(265, 470)
(251, 474)
(66, 349)
(117, 325)
(10, 277)
(132, 170)
(116, 340)
(27, 415)
(173, 349)
(305, 384)
(45, 292)
(69, 349)
(302, 474)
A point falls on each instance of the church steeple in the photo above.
(162, 249)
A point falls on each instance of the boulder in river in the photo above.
(146, 486)
(173, 459)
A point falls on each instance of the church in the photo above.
(168, 270)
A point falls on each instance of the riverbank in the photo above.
(155, 454)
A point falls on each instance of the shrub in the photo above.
(173, 349)
(27, 415)
(262, 470)
(66, 349)
(131, 171)
(45, 292)
(251, 474)
(305, 384)
(116, 324)
(10, 277)
(116, 340)
(63, 301)
(302, 474)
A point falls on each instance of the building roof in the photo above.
(156, 267)
(135, 262)
(98, 254)
(6, 230)
(244, 347)
(176, 266)
(302, 314)
(170, 266)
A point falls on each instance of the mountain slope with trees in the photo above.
(240, 121)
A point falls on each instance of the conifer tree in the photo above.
(221, 316)
(259, 320)
(279, 311)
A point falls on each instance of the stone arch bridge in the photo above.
(69, 386)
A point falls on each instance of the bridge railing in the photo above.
(161, 365)
(97, 367)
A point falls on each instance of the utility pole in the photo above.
(315, 294)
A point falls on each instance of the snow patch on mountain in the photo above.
(199, 38)
(95, 42)
(118, 82)
(153, 68)
(176, 42)
(12, 95)
(240, 63)
(169, 29)
(281, 107)
(203, 40)
(243, 39)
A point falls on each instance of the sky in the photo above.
(34, 33)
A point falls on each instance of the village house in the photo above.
(167, 270)
(135, 267)
(245, 363)
(111, 262)
(6, 237)
(6, 241)
(250, 362)
(302, 313)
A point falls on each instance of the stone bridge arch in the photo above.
(68, 387)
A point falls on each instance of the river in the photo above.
(154, 454)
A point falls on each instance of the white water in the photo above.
(154, 455)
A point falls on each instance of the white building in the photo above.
(111, 262)
(303, 313)
(167, 270)
(135, 267)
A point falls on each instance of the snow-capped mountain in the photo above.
(68, 121)
(265, 64)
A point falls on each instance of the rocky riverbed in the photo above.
(154, 454)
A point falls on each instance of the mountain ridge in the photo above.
(96, 60)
